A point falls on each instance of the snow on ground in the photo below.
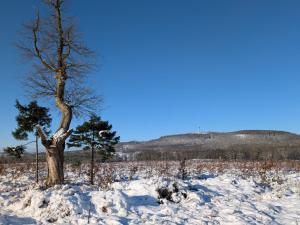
(229, 197)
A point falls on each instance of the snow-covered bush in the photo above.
(171, 192)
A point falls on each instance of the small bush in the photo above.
(182, 171)
(132, 171)
(104, 209)
(164, 193)
(106, 177)
(2, 169)
(170, 193)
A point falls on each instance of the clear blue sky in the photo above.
(170, 66)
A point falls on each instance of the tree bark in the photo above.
(55, 155)
(54, 158)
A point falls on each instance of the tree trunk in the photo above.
(92, 160)
(92, 166)
(55, 147)
(37, 159)
(55, 164)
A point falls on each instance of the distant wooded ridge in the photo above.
(236, 145)
(244, 144)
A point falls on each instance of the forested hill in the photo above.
(239, 145)
(245, 144)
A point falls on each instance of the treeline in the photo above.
(72, 157)
(234, 153)
(239, 152)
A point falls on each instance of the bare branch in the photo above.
(35, 31)
(43, 137)
(57, 48)
(82, 100)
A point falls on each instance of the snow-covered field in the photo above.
(128, 193)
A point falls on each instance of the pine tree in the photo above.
(17, 151)
(28, 118)
(95, 134)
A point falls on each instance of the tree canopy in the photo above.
(29, 117)
(95, 133)
(17, 151)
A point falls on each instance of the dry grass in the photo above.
(107, 173)
(2, 170)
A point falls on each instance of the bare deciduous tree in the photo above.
(61, 63)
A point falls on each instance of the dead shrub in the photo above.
(163, 169)
(2, 169)
(132, 171)
(106, 176)
(182, 170)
